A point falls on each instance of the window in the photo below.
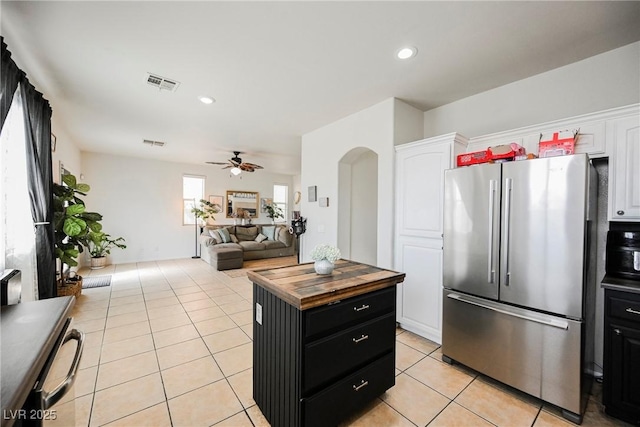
(280, 198)
(192, 193)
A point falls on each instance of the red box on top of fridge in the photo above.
(506, 152)
(468, 159)
(558, 144)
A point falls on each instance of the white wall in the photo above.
(141, 200)
(322, 150)
(66, 152)
(364, 202)
(373, 128)
(608, 80)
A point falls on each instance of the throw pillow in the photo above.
(234, 239)
(224, 234)
(269, 231)
(260, 238)
(215, 235)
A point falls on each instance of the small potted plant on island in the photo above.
(274, 212)
(325, 256)
(72, 224)
(100, 245)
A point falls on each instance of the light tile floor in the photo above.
(169, 344)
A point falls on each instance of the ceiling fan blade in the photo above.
(253, 166)
(218, 163)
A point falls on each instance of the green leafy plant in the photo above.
(206, 210)
(273, 211)
(100, 244)
(72, 223)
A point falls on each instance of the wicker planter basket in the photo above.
(69, 288)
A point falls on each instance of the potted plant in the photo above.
(72, 224)
(274, 212)
(206, 211)
(100, 245)
(324, 256)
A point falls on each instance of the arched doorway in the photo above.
(358, 205)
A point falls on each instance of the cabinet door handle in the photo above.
(362, 338)
(632, 311)
(364, 307)
(620, 212)
(617, 332)
(362, 384)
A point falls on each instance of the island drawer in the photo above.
(332, 405)
(347, 312)
(338, 354)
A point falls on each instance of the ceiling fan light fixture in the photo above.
(236, 171)
(206, 100)
(407, 52)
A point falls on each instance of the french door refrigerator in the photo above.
(519, 275)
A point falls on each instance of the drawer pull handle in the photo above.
(617, 332)
(362, 384)
(362, 338)
(632, 311)
(364, 307)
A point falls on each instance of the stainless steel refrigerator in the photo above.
(519, 275)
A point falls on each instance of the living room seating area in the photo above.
(226, 247)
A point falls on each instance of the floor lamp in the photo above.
(195, 223)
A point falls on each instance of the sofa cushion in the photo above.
(234, 239)
(284, 236)
(273, 244)
(246, 234)
(252, 246)
(269, 231)
(260, 237)
(224, 235)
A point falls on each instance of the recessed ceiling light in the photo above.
(407, 52)
(206, 99)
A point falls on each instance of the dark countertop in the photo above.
(620, 284)
(300, 286)
(29, 331)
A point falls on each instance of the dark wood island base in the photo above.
(323, 346)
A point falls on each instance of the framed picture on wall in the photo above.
(313, 193)
(264, 202)
(218, 201)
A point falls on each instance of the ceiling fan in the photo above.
(236, 164)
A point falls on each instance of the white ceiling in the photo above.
(281, 69)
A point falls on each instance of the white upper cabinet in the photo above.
(623, 139)
(420, 170)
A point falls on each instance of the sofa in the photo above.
(226, 247)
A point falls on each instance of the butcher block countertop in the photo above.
(303, 288)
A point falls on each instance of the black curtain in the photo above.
(10, 74)
(37, 119)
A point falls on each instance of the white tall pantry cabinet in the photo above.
(419, 202)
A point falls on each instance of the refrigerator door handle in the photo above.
(479, 303)
(492, 195)
(507, 221)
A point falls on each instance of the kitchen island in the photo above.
(323, 345)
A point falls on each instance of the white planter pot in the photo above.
(98, 262)
(323, 266)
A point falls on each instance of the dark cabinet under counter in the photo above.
(621, 388)
(323, 346)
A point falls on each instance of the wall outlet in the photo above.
(259, 314)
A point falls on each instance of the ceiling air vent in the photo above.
(153, 143)
(162, 83)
